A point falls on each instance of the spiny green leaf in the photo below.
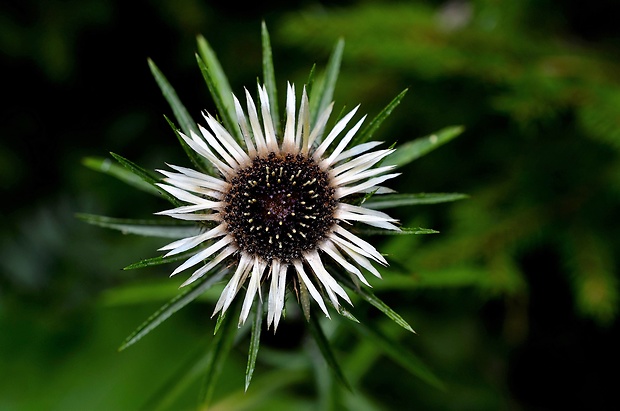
(410, 151)
(323, 94)
(148, 228)
(310, 81)
(254, 342)
(149, 262)
(367, 132)
(106, 166)
(399, 200)
(180, 112)
(400, 354)
(269, 77)
(146, 177)
(326, 350)
(403, 231)
(218, 85)
(173, 306)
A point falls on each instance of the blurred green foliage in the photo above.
(516, 300)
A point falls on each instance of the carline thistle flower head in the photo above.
(282, 203)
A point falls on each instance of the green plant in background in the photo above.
(546, 119)
(267, 202)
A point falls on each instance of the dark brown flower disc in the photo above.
(280, 206)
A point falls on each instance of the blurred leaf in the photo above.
(269, 76)
(106, 166)
(594, 281)
(180, 301)
(326, 350)
(180, 113)
(264, 388)
(368, 131)
(218, 352)
(147, 177)
(218, 85)
(254, 342)
(398, 200)
(410, 151)
(448, 277)
(400, 355)
(323, 93)
(155, 290)
(148, 228)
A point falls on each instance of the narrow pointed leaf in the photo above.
(310, 81)
(410, 151)
(398, 200)
(146, 177)
(403, 231)
(159, 260)
(400, 355)
(254, 342)
(269, 77)
(375, 301)
(218, 85)
(148, 228)
(180, 112)
(323, 94)
(367, 132)
(326, 350)
(346, 313)
(180, 301)
(107, 166)
(304, 300)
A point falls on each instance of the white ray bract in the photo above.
(257, 132)
(188, 243)
(255, 279)
(340, 125)
(303, 122)
(225, 253)
(310, 286)
(270, 132)
(245, 130)
(329, 284)
(288, 140)
(219, 149)
(317, 130)
(203, 254)
(331, 250)
(342, 145)
(227, 141)
(230, 290)
(373, 182)
(357, 244)
(357, 150)
(374, 218)
(361, 163)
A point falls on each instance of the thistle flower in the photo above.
(281, 204)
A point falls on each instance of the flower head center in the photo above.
(280, 206)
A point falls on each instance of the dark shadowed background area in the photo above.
(515, 302)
